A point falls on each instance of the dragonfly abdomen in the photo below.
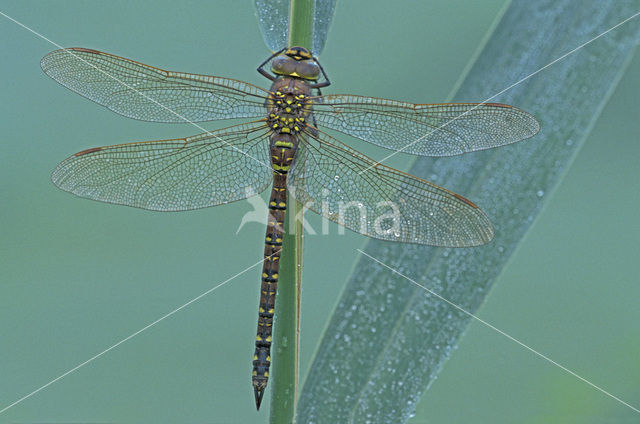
(283, 148)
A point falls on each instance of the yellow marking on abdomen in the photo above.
(281, 143)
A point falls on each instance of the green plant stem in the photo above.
(284, 395)
(287, 324)
(301, 15)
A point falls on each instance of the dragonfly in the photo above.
(282, 148)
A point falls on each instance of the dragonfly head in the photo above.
(298, 53)
(296, 62)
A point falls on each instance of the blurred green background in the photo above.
(78, 276)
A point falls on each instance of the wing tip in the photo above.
(68, 50)
(465, 200)
(535, 128)
(534, 124)
(488, 234)
(483, 231)
(52, 55)
(484, 236)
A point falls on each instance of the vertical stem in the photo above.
(301, 23)
(284, 395)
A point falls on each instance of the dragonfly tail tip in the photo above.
(258, 395)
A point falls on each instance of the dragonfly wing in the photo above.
(429, 130)
(354, 191)
(147, 93)
(172, 175)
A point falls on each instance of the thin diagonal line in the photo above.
(61, 376)
(546, 358)
(506, 89)
(75, 56)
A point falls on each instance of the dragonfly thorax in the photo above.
(289, 106)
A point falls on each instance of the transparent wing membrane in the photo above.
(352, 190)
(144, 92)
(273, 19)
(230, 164)
(147, 93)
(430, 130)
(172, 175)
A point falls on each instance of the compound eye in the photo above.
(308, 70)
(283, 65)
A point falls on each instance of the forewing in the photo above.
(430, 130)
(144, 92)
(352, 190)
(172, 175)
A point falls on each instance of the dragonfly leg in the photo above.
(324, 83)
(261, 67)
